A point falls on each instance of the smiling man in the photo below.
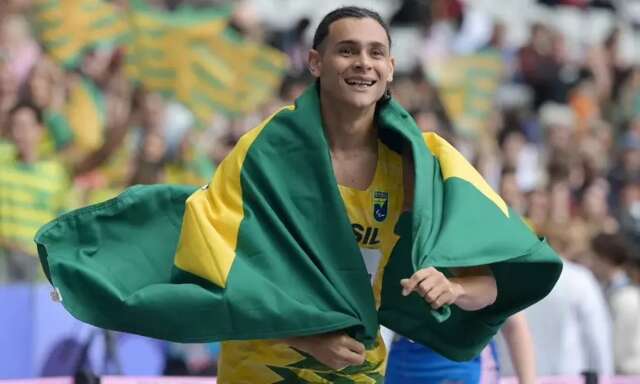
(332, 217)
(351, 60)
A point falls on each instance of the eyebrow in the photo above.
(375, 44)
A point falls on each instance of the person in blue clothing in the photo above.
(413, 363)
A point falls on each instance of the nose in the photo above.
(363, 62)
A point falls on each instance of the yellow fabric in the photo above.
(467, 85)
(217, 222)
(7, 151)
(99, 195)
(453, 164)
(178, 174)
(248, 361)
(69, 26)
(84, 119)
(30, 196)
(201, 64)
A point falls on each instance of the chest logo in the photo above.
(380, 205)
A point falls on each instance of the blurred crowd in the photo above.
(561, 142)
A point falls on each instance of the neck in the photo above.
(348, 128)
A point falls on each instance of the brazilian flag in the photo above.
(266, 249)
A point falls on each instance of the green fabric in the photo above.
(70, 28)
(97, 97)
(297, 269)
(218, 70)
(59, 129)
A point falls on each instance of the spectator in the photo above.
(539, 66)
(16, 43)
(32, 192)
(612, 254)
(571, 335)
(46, 89)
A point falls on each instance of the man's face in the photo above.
(353, 63)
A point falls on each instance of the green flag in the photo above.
(193, 55)
(267, 251)
(68, 27)
(468, 85)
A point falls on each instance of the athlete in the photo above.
(352, 63)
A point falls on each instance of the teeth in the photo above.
(360, 82)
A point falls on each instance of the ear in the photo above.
(315, 62)
(392, 62)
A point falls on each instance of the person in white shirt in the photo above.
(611, 253)
(571, 327)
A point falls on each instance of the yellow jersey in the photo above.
(373, 213)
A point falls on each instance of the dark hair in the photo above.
(344, 12)
(612, 247)
(29, 105)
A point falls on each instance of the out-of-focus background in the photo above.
(543, 97)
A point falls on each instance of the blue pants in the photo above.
(413, 363)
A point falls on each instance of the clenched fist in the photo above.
(433, 286)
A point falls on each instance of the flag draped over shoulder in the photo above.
(68, 28)
(266, 250)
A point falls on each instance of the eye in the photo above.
(377, 53)
(345, 51)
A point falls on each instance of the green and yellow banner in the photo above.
(67, 28)
(468, 86)
(192, 55)
(197, 57)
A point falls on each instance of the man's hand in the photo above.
(433, 286)
(471, 289)
(335, 350)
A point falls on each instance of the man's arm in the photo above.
(471, 289)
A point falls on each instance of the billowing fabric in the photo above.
(267, 250)
(373, 214)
